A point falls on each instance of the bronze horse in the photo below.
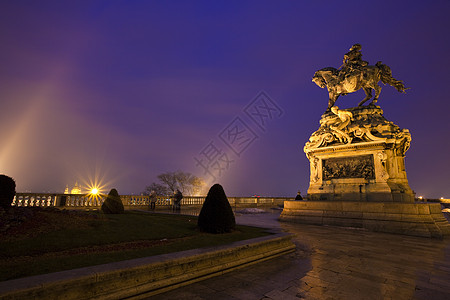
(366, 78)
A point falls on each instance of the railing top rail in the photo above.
(50, 194)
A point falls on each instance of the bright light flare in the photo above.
(95, 193)
(94, 180)
(95, 190)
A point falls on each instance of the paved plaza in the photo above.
(334, 263)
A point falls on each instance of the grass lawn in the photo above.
(56, 242)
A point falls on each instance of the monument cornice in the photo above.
(348, 147)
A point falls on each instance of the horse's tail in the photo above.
(386, 77)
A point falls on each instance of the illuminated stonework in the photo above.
(358, 155)
(357, 162)
(76, 190)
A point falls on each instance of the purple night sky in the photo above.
(122, 91)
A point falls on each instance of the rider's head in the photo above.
(356, 47)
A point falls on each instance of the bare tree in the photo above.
(160, 190)
(169, 179)
(187, 183)
(183, 182)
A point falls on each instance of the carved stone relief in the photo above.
(349, 167)
(382, 156)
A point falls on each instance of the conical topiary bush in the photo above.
(216, 215)
(7, 191)
(113, 204)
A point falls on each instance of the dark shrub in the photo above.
(113, 204)
(216, 215)
(7, 191)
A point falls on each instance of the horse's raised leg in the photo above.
(368, 92)
(330, 104)
(332, 100)
(377, 89)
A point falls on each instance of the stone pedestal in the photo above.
(417, 219)
(358, 178)
(358, 155)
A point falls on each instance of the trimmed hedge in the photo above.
(216, 215)
(7, 191)
(113, 204)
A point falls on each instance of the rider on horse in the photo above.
(352, 62)
(355, 74)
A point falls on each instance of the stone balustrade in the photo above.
(89, 201)
(33, 199)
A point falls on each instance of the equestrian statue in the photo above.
(355, 74)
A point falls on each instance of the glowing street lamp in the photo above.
(95, 195)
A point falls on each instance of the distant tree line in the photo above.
(169, 182)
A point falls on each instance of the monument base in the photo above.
(417, 219)
(358, 155)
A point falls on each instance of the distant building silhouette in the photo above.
(75, 190)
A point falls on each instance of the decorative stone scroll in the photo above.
(356, 125)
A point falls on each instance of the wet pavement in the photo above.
(334, 263)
